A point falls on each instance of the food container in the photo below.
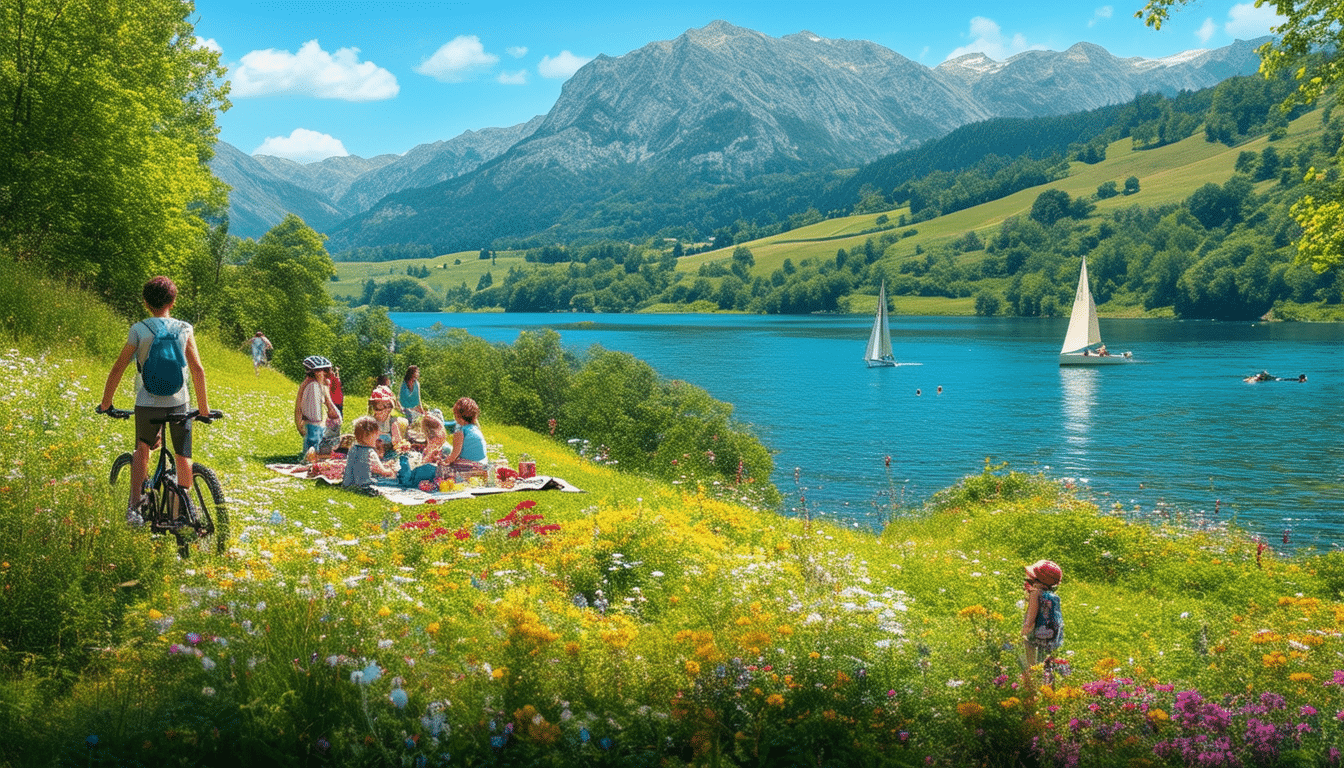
(446, 486)
(527, 468)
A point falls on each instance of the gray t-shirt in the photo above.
(142, 336)
(359, 466)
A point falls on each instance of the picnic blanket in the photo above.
(330, 474)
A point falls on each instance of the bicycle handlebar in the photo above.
(117, 413)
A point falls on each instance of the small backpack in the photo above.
(162, 370)
(1049, 631)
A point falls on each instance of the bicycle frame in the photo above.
(194, 513)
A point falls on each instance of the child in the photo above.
(435, 436)
(362, 463)
(331, 435)
(468, 453)
(1043, 624)
(311, 402)
(390, 429)
(159, 295)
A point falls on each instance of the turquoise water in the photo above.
(1177, 433)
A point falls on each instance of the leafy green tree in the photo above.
(1308, 44)
(1106, 190)
(282, 291)
(1050, 206)
(108, 122)
(1132, 185)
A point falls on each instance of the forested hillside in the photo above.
(1181, 205)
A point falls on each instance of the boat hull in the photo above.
(881, 363)
(1090, 360)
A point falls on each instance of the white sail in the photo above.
(1082, 342)
(879, 341)
(1083, 329)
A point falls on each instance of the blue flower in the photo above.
(498, 742)
(584, 735)
(91, 740)
(399, 698)
(605, 742)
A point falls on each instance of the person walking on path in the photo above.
(258, 345)
(158, 295)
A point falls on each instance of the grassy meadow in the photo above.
(639, 623)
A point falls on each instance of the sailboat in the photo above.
(878, 353)
(1082, 342)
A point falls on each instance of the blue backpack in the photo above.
(162, 370)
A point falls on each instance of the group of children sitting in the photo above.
(378, 449)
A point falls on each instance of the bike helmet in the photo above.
(315, 363)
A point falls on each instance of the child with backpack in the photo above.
(313, 404)
(164, 350)
(1043, 624)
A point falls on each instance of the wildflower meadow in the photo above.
(639, 623)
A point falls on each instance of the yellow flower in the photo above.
(384, 612)
(775, 700)
(433, 628)
(1106, 666)
(970, 710)
(154, 615)
(972, 612)
(814, 655)
(692, 667)
(1274, 659)
(1301, 677)
(1156, 715)
(1010, 702)
(497, 673)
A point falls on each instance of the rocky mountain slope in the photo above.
(722, 105)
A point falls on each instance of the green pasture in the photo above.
(444, 272)
(1167, 175)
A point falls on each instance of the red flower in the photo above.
(461, 534)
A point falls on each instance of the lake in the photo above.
(1177, 433)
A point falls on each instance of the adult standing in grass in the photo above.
(158, 296)
(311, 403)
(409, 403)
(1043, 623)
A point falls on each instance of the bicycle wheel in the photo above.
(209, 512)
(171, 511)
(120, 480)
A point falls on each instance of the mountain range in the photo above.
(716, 107)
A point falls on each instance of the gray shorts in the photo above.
(150, 433)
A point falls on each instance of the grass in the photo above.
(659, 624)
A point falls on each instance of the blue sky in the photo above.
(316, 78)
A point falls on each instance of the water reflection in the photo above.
(1078, 397)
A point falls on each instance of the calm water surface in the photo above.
(1178, 432)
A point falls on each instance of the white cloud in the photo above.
(1101, 14)
(312, 72)
(1245, 21)
(1206, 30)
(988, 38)
(457, 60)
(516, 51)
(561, 66)
(303, 146)
(208, 44)
(513, 78)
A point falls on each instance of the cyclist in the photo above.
(159, 294)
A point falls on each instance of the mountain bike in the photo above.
(197, 516)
